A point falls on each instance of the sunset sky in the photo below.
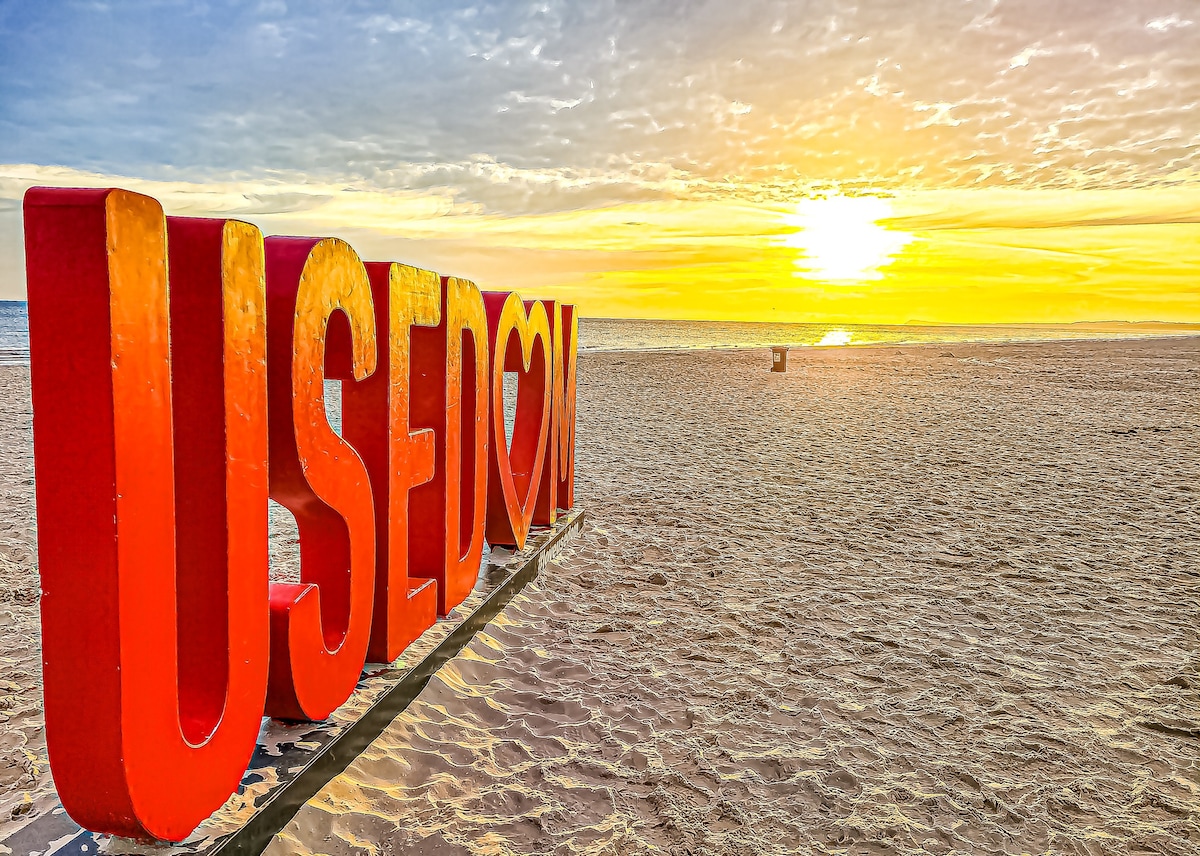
(874, 162)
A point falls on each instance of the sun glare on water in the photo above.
(841, 240)
(834, 338)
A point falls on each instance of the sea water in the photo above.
(14, 333)
(620, 334)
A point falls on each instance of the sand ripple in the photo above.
(917, 601)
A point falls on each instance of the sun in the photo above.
(841, 240)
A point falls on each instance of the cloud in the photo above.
(975, 255)
(1169, 22)
(428, 228)
(1044, 209)
(540, 106)
(280, 197)
(522, 140)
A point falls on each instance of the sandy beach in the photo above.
(936, 599)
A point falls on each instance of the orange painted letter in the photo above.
(518, 341)
(450, 395)
(152, 533)
(320, 627)
(376, 419)
(568, 341)
(545, 509)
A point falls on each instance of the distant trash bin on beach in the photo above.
(779, 359)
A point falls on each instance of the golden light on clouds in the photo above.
(841, 240)
(951, 161)
(958, 256)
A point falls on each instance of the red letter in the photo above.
(568, 340)
(154, 671)
(517, 342)
(545, 509)
(321, 626)
(376, 422)
(452, 399)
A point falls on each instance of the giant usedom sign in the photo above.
(178, 369)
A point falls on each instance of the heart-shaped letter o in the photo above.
(518, 341)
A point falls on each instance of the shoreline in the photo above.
(906, 344)
(18, 358)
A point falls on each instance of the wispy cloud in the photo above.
(522, 106)
(467, 135)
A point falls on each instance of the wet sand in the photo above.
(920, 599)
